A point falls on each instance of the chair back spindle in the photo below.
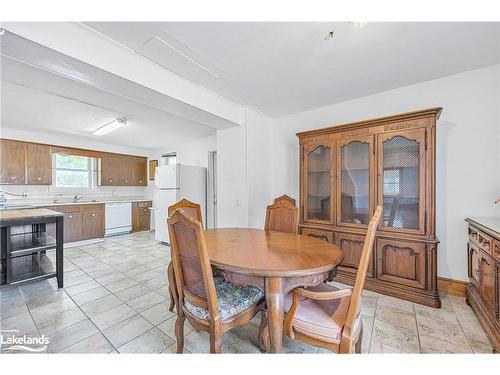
(359, 283)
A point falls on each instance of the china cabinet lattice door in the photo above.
(355, 180)
(401, 180)
(318, 184)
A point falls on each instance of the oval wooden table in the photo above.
(273, 261)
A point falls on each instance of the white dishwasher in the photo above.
(118, 218)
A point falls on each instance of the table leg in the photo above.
(275, 303)
(59, 251)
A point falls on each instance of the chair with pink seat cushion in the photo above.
(329, 317)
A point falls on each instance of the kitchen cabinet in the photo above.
(81, 221)
(38, 164)
(122, 170)
(347, 170)
(13, 162)
(92, 221)
(141, 216)
(108, 169)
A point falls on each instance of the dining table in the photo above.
(275, 262)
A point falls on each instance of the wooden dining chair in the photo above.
(209, 303)
(192, 210)
(282, 216)
(328, 317)
(285, 198)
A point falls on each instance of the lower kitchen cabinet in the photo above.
(81, 222)
(92, 221)
(351, 246)
(141, 216)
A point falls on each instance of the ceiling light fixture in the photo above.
(109, 127)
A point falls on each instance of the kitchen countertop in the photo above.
(27, 213)
(62, 202)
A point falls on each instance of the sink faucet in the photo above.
(77, 198)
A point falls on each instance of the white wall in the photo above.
(194, 152)
(42, 192)
(468, 149)
(232, 206)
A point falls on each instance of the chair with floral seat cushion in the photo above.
(329, 317)
(209, 304)
(282, 216)
(192, 210)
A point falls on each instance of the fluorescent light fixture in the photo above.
(109, 127)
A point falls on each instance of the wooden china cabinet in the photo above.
(347, 170)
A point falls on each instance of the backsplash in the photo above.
(38, 193)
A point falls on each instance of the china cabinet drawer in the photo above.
(317, 233)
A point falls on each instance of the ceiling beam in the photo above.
(181, 97)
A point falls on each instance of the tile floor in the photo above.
(115, 300)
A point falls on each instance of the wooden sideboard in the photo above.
(483, 290)
(347, 170)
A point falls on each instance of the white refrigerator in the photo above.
(175, 182)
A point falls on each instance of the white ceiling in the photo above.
(284, 68)
(59, 96)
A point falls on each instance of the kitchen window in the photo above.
(73, 172)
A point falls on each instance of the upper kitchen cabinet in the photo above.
(122, 170)
(38, 164)
(13, 162)
(317, 188)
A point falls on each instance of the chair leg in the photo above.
(357, 347)
(263, 332)
(171, 286)
(179, 332)
(215, 341)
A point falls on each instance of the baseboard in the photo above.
(452, 287)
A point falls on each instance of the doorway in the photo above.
(212, 190)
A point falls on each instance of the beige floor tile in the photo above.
(158, 313)
(61, 320)
(152, 341)
(133, 292)
(432, 345)
(112, 316)
(397, 317)
(387, 338)
(126, 330)
(95, 344)
(100, 305)
(145, 301)
(388, 301)
(71, 335)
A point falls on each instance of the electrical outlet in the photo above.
(237, 203)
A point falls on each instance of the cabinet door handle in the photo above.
(13, 177)
(93, 214)
(110, 180)
(145, 210)
(39, 178)
(70, 216)
(126, 181)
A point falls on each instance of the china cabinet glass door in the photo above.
(402, 180)
(355, 163)
(318, 165)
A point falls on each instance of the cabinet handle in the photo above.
(110, 180)
(140, 181)
(70, 216)
(126, 181)
(39, 178)
(13, 177)
(93, 214)
(145, 210)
